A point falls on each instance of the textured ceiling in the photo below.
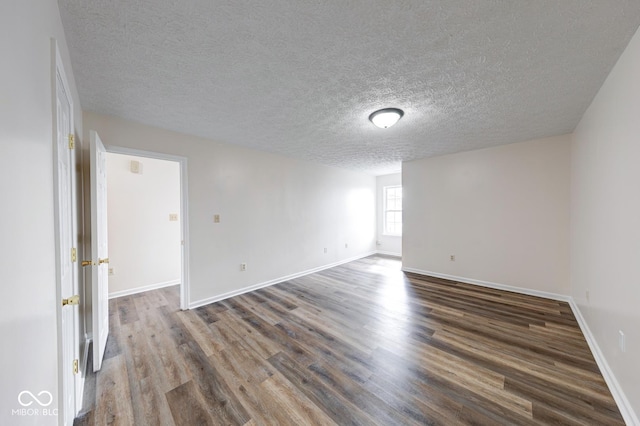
(300, 77)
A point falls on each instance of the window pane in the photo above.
(390, 218)
(391, 228)
(391, 204)
(393, 210)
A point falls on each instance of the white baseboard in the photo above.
(619, 396)
(229, 294)
(521, 290)
(389, 253)
(142, 289)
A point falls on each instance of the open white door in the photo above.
(99, 249)
(65, 214)
(66, 253)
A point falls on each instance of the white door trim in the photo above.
(184, 209)
(57, 70)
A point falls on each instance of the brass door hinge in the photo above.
(76, 368)
(72, 141)
(74, 255)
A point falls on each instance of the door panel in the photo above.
(65, 215)
(99, 249)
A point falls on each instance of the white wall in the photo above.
(277, 214)
(144, 246)
(388, 244)
(503, 212)
(605, 219)
(28, 360)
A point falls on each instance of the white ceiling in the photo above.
(300, 77)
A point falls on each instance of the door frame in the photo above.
(184, 210)
(57, 69)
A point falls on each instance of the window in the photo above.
(392, 210)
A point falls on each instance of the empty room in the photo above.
(320, 213)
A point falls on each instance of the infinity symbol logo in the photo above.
(44, 404)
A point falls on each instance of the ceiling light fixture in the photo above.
(386, 117)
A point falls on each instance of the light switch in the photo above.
(136, 167)
(173, 217)
(216, 218)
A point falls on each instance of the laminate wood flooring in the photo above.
(358, 344)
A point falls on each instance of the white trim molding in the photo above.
(143, 289)
(233, 293)
(618, 394)
(521, 290)
(389, 253)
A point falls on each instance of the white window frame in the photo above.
(386, 210)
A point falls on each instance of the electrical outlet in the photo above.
(621, 341)
(325, 250)
(346, 245)
(452, 257)
(111, 272)
(173, 217)
(216, 218)
(587, 295)
(243, 267)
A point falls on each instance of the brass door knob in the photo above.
(73, 300)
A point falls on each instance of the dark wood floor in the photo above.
(358, 344)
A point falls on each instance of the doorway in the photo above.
(100, 262)
(137, 163)
(147, 222)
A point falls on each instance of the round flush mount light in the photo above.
(387, 117)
